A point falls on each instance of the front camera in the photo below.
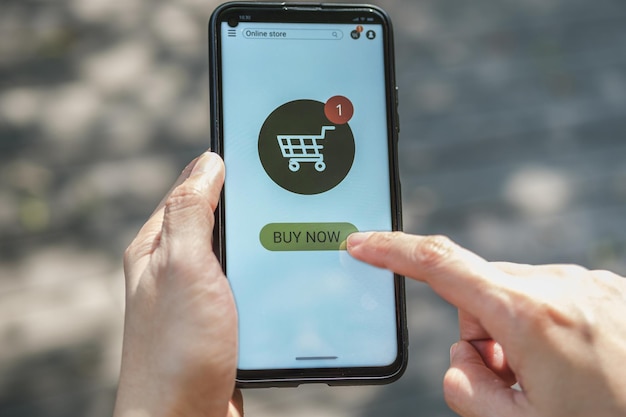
(233, 22)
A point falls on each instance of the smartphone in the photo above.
(304, 113)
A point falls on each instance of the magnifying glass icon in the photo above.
(334, 34)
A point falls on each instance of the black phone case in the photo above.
(331, 376)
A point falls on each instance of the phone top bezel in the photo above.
(314, 13)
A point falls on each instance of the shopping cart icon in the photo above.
(304, 148)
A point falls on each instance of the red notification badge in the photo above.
(338, 110)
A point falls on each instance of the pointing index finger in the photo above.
(459, 276)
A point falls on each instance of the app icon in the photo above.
(306, 146)
(356, 33)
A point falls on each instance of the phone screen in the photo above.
(307, 140)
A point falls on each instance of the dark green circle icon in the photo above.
(302, 151)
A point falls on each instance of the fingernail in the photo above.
(207, 164)
(453, 349)
(356, 238)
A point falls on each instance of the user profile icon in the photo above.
(370, 34)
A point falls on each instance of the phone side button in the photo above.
(397, 112)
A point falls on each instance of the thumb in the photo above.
(188, 219)
(473, 390)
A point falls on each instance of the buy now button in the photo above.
(305, 236)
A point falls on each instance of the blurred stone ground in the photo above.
(513, 142)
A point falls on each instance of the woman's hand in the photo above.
(557, 330)
(180, 337)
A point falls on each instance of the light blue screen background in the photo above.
(310, 303)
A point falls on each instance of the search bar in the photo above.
(294, 34)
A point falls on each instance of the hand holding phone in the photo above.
(303, 109)
(180, 321)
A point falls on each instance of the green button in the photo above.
(305, 236)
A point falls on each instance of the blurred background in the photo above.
(513, 142)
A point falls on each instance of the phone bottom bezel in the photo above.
(329, 376)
